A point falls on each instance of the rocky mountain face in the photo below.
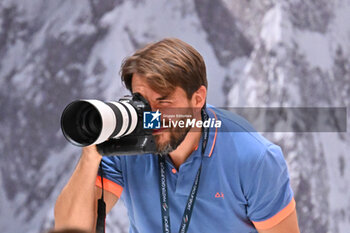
(302, 59)
(290, 53)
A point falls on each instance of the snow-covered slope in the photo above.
(301, 59)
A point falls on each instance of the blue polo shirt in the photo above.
(244, 183)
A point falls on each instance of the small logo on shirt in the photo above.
(219, 195)
(151, 120)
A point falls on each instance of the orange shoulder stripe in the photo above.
(109, 186)
(277, 218)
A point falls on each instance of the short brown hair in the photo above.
(167, 64)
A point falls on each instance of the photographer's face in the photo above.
(168, 139)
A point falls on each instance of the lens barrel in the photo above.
(86, 122)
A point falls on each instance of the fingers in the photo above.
(91, 151)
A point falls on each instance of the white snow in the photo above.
(152, 21)
(316, 48)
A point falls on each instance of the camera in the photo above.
(116, 127)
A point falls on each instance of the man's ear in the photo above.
(199, 97)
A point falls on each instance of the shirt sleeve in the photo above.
(270, 197)
(112, 175)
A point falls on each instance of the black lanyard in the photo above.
(101, 209)
(193, 194)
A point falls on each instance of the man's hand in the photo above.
(91, 152)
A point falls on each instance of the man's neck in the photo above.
(184, 150)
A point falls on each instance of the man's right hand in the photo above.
(91, 152)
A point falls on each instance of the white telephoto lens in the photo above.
(108, 120)
(125, 119)
(133, 119)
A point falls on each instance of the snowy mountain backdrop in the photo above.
(290, 53)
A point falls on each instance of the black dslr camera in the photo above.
(115, 127)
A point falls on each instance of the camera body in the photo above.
(115, 127)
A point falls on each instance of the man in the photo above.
(227, 179)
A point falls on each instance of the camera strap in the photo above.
(101, 209)
(193, 194)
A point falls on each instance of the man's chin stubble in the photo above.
(172, 144)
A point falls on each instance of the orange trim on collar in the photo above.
(109, 186)
(277, 218)
(216, 132)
